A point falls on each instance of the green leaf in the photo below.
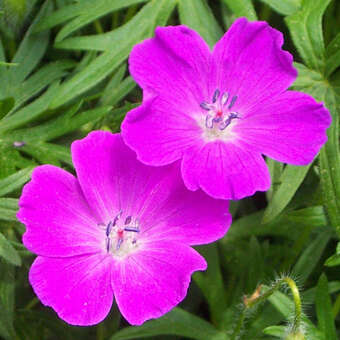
(29, 112)
(54, 128)
(275, 168)
(6, 105)
(118, 45)
(334, 260)
(87, 78)
(311, 216)
(31, 49)
(329, 159)
(333, 55)
(291, 178)
(305, 27)
(48, 153)
(8, 252)
(284, 7)
(7, 300)
(177, 322)
(324, 309)
(242, 8)
(15, 181)
(140, 27)
(11, 160)
(90, 12)
(277, 331)
(197, 15)
(8, 209)
(311, 256)
(211, 282)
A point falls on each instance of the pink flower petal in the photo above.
(58, 219)
(175, 63)
(154, 280)
(159, 132)
(249, 62)
(190, 217)
(77, 288)
(225, 170)
(290, 128)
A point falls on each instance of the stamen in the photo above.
(216, 95)
(128, 220)
(108, 241)
(224, 98)
(227, 122)
(209, 121)
(119, 243)
(233, 100)
(206, 106)
(108, 228)
(135, 230)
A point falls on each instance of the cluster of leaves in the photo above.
(63, 73)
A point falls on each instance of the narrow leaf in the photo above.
(311, 256)
(242, 8)
(291, 179)
(284, 7)
(324, 309)
(15, 181)
(8, 252)
(198, 15)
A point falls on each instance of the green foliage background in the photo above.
(63, 73)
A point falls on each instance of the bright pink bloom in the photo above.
(219, 112)
(119, 229)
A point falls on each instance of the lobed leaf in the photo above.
(305, 27)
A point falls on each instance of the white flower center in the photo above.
(218, 121)
(121, 239)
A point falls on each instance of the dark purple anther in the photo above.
(135, 230)
(233, 100)
(108, 242)
(205, 106)
(216, 95)
(108, 228)
(128, 220)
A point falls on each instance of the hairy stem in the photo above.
(258, 297)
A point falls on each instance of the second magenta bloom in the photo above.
(219, 112)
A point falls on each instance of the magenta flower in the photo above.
(119, 229)
(219, 112)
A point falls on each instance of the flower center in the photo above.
(219, 115)
(121, 238)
